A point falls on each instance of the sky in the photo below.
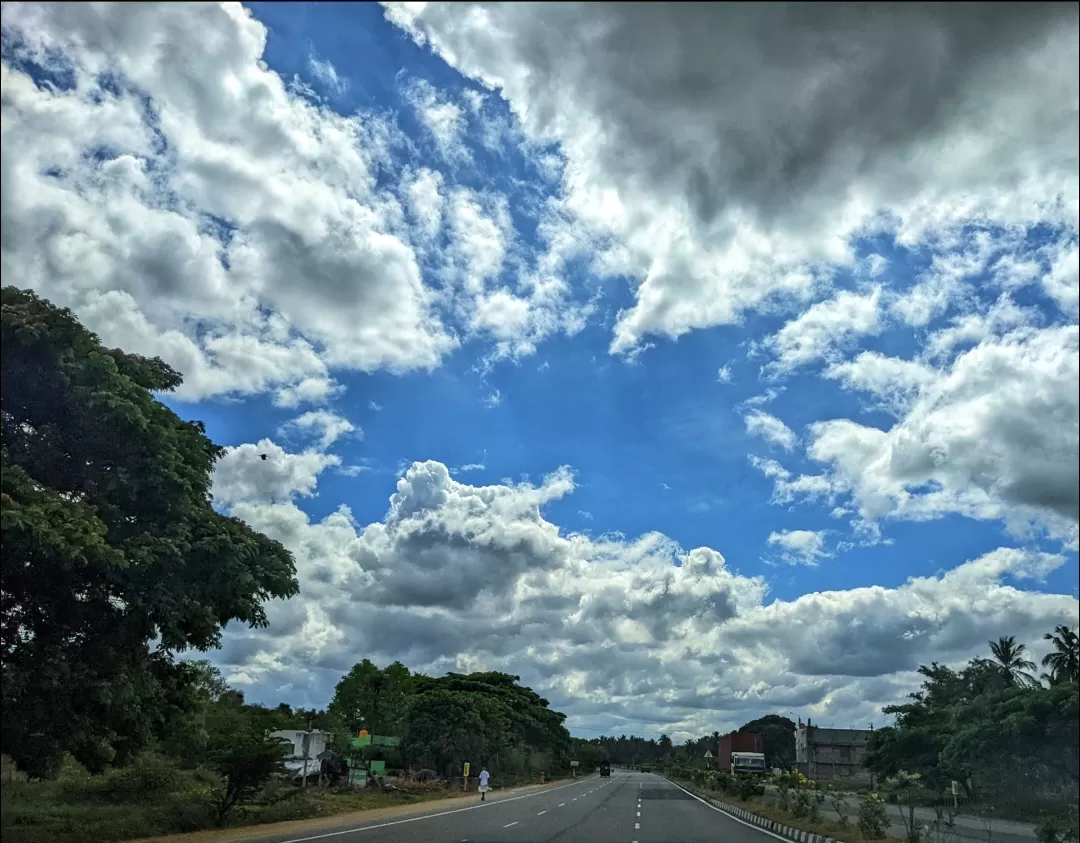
(693, 362)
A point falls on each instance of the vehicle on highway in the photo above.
(742, 753)
(605, 769)
(646, 769)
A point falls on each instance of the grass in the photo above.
(154, 798)
(764, 807)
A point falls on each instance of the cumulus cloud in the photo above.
(725, 157)
(475, 577)
(770, 428)
(799, 547)
(993, 435)
(198, 208)
(325, 426)
(826, 325)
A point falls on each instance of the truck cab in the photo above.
(748, 763)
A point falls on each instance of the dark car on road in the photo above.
(605, 769)
(646, 768)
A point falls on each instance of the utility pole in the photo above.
(871, 769)
(307, 750)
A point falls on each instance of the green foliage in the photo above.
(778, 737)
(1064, 660)
(484, 718)
(246, 761)
(109, 541)
(1005, 738)
(373, 699)
(873, 820)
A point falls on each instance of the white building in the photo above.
(305, 745)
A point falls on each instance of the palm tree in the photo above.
(1064, 661)
(1010, 660)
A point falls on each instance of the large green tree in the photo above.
(485, 718)
(375, 699)
(113, 556)
(778, 739)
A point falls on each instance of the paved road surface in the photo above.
(625, 808)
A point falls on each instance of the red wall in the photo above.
(737, 742)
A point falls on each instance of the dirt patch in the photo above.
(341, 822)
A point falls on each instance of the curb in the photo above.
(795, 834)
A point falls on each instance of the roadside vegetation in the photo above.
(999, 740)
(115, 563)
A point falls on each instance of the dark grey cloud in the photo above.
(726, 154)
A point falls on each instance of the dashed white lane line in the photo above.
(574, 799)
(509, 825)
(422, 818)
(540, 813)
(562, 804)
(637, 826)
(639, 813)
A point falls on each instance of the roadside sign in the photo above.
(708, 754)
(466, 770)
(575, 763)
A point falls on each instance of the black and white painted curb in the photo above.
(795, 834)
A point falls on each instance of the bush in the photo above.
(873, 820)
(146, 780)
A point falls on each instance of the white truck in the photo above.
(748, 763)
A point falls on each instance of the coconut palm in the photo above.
(1011, 661)
(1064, 660)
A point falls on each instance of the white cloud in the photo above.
(825, 326)
(307, 391)
(327, 74)
(638, 629)
(444, 119)
(995, 436)
(424, 196)
(243, 475)
(799, 547)
(326, 426)
(770, 428)
(894, 382)
(723, 374)
(234, 228)
(719, 187)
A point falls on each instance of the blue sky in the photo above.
(428, 237)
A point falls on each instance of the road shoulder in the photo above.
(343, 822)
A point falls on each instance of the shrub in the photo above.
(873, 820)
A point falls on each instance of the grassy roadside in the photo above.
(764, 807)
(135, 804)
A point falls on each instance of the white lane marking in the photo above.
(639, 813)
(508, 825)
(719, 811)
(540, 813)
(637, 826)
(562, 804)
(574, 799)
(428, 816)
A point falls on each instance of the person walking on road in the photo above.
(485, 776)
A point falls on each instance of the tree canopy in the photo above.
(114, 557)
(990, 726)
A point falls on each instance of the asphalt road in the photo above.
(629, 807)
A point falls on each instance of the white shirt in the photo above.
(484, 776)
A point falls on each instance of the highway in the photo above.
(629, 807)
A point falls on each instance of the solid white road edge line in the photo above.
(426, 816)
(725, 813)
